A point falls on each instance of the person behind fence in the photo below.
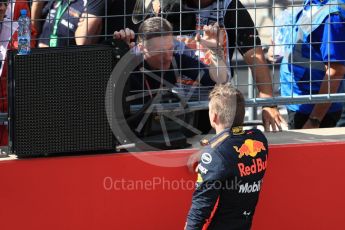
(164, 68)
(314, 63)
(9, 14)
(156, 44)
(231, 167)
(233, 17)
(68, 22)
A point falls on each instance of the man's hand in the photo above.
(126, 35)
(193, 161)
(156, 6)
(261, 74)
(213, 37)
(334, 74)
(272, 119)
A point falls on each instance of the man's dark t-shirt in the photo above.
(184, 72)
(187, 77)
(240, 27)
(68, 23)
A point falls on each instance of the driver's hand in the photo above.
(126, 35)
(272, 119)
(193, 161)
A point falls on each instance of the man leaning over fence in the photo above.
(162, 67)
(314, 61)
(156, 44)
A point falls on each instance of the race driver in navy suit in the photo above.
(231, 167)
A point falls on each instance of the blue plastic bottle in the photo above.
(24, 33)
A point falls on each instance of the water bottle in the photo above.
(24, 33)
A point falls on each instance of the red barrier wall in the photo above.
(303, 189)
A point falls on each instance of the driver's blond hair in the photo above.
(228, 103)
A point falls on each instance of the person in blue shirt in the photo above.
(315, 63)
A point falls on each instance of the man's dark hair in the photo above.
(154, 27)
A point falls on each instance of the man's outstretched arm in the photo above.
(271, 117)
(334, 75)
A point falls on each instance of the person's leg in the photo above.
(330, 120)
(341, 122)
(296, 120)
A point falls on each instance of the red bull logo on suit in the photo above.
(250, 148)
(257, 166)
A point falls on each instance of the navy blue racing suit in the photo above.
(230, 176)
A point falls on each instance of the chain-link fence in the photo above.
(277, 52)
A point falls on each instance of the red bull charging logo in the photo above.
(250, 148)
